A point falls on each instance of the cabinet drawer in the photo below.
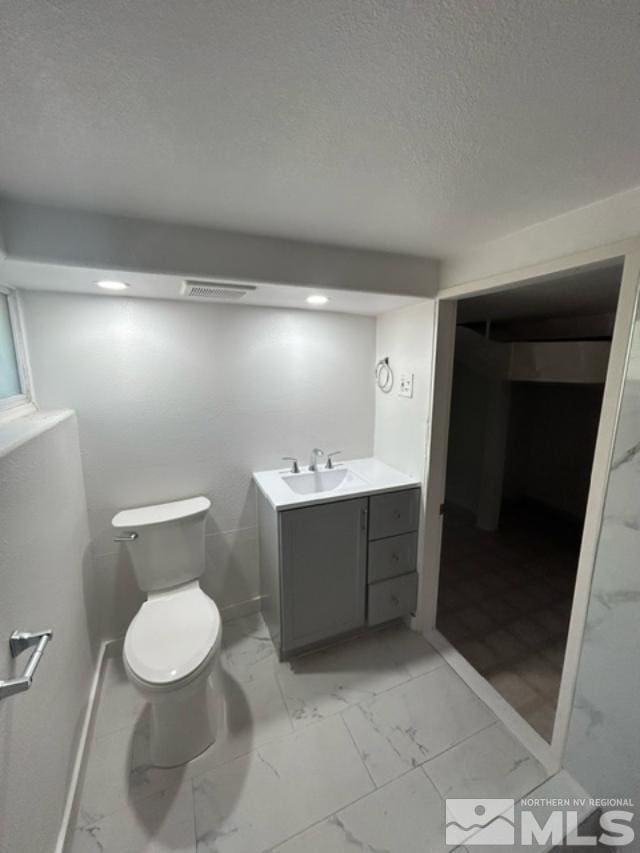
(392, 598)
(395, 555)
(393, 513)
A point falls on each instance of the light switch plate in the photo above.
(406, 385)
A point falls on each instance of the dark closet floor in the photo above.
(505, 601)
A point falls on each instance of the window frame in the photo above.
(22, 403)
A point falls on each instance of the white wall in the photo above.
(607, 221)
(46, 583)
(402, 424)
(177, 399)
(603, 748)
(401, 427)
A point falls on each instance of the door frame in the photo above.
(444, 330)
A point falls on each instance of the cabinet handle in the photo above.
(395, 600)
(397, 514)
(395, 557)
(363, 518)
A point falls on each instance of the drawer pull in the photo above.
(395, 557)
(395, 600)
(397, 514)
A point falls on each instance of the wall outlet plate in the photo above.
(406, 385)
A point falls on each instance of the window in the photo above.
(13, 379)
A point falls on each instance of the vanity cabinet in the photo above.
(333, 567)
(324, 570)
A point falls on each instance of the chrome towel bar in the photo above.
(18, 642)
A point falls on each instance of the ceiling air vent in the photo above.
(194, 289)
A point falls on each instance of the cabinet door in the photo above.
(324, 569)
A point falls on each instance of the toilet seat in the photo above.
(173, 637)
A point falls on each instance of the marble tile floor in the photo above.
(505, 602)
(353, 747)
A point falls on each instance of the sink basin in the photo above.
(312, 482)
(283, 489)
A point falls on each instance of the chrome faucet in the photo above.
(329, 464)
(294, 464)
(315, 454)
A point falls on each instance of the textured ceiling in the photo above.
(415, 126)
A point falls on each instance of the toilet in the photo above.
(172, 646)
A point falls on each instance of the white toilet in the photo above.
(172, 646)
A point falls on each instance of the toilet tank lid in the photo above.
(160, 513)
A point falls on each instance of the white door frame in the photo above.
(628, 252)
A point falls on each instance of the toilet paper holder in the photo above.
(18, 642)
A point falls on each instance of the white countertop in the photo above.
(374, 477)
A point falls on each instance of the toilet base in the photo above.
(184, 723)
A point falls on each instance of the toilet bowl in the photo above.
(172, 646)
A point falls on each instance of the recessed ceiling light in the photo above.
(317, 299)
(108, 284)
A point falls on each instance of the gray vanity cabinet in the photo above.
(323, 571)
(331, 568)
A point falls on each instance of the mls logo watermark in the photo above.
(495, 822)
(489, 821)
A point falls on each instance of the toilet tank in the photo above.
(168, 546)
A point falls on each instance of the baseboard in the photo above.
(241, 608)
(81, 748)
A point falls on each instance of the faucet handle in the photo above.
(294, 463)
(329, 460)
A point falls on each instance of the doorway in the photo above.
(528, 377)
